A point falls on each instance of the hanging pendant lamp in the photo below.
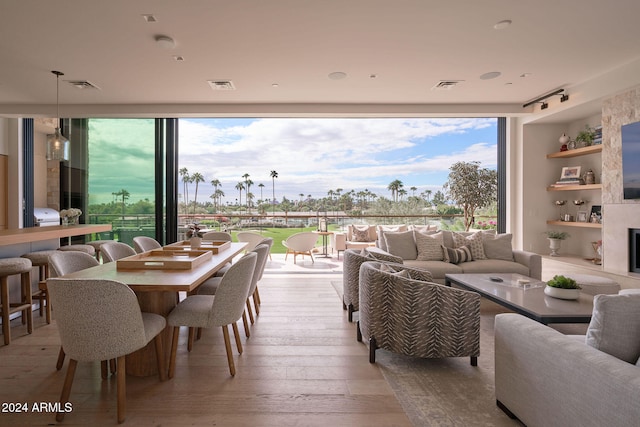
(57, 144)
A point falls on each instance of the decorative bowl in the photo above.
(562, 293)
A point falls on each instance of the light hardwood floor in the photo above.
(302, 366)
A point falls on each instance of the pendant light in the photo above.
(57, 144)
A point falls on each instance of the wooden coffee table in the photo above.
(528, 300)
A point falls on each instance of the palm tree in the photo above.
(248, 193)
(240, 187)
(216, 183)
(247, 185)
(395, 187)
(197, 178)
(125, 195)
(184, 173)
(413, 191)
(274, 175)
(261, 185)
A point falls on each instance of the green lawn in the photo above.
(278, 235)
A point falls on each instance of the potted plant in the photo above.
(562, 287)
(195, 235)
(555, 240)
(586, 136)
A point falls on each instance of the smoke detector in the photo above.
(446, 84)
(221, 84)
(82, 84)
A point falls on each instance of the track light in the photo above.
(544, 97)
(544, 105)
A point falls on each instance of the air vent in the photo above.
(82, 84)
(221, 85)
(446, 84)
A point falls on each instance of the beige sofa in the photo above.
(488, 253)
(363, 236)
(545, 378)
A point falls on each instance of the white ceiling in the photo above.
(408, 45)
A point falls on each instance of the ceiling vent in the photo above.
(446, 84)
(82, 84)
(221, 85)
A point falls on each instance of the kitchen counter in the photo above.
(36, 234)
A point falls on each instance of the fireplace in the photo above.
(634, 250)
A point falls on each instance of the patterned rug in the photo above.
(447, 392)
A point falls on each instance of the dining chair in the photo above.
(251, 238)
(210, 286)
(61, 264)
(145, 244)
(267, 241)
(222, 309)
(100, 319)
(113, 251)
(221, 236)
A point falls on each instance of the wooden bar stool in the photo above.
(9, 267)
(40, 259)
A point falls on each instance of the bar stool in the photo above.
(9, 267)
(40, 259)
(96, 245)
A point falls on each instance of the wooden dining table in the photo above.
(156, 290)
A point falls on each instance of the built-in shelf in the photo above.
(575, 224)
(575, 187)
(576, 152)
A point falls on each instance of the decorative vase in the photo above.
(563, 141)
(65, 221)
(562, 293)
(195, 242)
(554, 245)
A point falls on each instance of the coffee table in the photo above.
(526, 299)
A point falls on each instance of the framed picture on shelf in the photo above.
(570, 172)
(582, 216)
(596, 214)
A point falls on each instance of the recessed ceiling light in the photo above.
(502, 24)
(178, 58)
(275, 85)
(523, 75)
(337, 75)
(490, 75)
(373, 76)
(165, 42)
(508, 83)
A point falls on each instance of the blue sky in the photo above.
(311, 156)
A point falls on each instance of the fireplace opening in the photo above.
(634, 250)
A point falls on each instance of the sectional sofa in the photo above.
(448, 252)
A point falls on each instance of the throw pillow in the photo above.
(473, 242)
(423, 228)
(429, 246)
(381, 229)
(360, 235)
(401, 244)
(498, 247)
(615, 326)
(458, 255)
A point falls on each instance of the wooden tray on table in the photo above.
(160, 259)
(213, 246)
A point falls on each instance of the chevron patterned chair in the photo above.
(402, 311)
(353, 259)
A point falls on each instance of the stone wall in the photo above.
(619, 215)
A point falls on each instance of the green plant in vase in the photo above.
(562, 287)
(555, 240)
(585, 137)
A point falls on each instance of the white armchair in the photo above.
(300, 244)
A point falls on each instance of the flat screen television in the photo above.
(631, 160)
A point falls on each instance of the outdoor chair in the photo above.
(301, 243)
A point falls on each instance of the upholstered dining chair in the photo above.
(269, 242)
(210, 286)
(63, 263)
(144, 244)
(251, 238)
(300, 244)
(222, 309)
(221, 236)
(113, 251)
(99, 320)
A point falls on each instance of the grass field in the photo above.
(278, 235)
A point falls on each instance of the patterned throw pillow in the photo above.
(360, 235)
(429, 246)
(473, 242)
(458, 255)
